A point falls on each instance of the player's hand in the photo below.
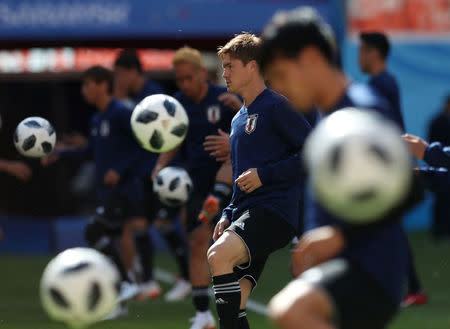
(221, 226)
(316, 247)
(218, 146)
(249, 180)
(49, 159)
(231, 101)
(20, 170)
(111, 178)
(417, 145)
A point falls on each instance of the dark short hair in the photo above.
(99, 74)
(378, 41)
(129, 59)
(289, 32)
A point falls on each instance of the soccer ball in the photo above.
(34, 137)
(79, 286)
(159, 123)
(359, 166)
(173, 186)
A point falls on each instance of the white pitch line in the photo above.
(167, 277)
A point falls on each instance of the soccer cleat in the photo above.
(149, 290)
(210, 209)
(119, 312)
(419, 298)
(179, 291)
(203, 320)
(128, 291)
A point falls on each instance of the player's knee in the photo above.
(216, 256)
(295, 304)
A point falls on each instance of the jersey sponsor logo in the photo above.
(250, 126)
(104, 128)
(213, 113)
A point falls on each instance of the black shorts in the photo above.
(155, 209)
(262, 232)
(116, 210)
(359, 301)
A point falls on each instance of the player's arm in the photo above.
(435, 154)
(18, 169)
(315, 247)
(435, 179)
(294, 129)
(163, 160)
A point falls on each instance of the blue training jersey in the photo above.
(386, 85)
(205, 118)
(112, 146)
(382, 252)
(265, 136)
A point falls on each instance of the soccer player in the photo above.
(263, 213)
(373, 52)
(116, 155)
(206, 115)
(349, 277)
(129, 77)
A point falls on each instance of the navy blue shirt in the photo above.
(381, 253)
(205, 118)
(263, 135)
(112, 146)
(386, 85)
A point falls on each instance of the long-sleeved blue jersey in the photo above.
(437, 177)
(382, 252)
(386, 85)
(263, 136)
(205, 118)
(112, 146)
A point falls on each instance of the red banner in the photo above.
(39, 60)
(400, 16)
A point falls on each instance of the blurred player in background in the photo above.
(133, 85)
(262, 216)
(207, 113)
(117, 157)
(356, 275)
(373, 52)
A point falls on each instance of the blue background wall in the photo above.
(422, 69)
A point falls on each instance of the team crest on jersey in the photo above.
(213, 113)
(104, 128)
(250, 126)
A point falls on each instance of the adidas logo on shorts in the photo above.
(221, 301)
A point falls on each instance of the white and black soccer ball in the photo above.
(34, 137)
(79, 286)
(159, 123)
(358, 164)
(173, 186)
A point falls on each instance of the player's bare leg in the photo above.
(301, 305)
(227, 252)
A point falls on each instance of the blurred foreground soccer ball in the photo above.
(79, 287)
(34, 137)
(159, 123)
(173, 186)
(359, 166)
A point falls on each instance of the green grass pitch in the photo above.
(20, 307)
